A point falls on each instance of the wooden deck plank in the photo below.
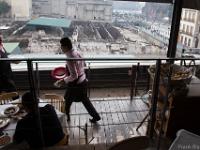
(131, 130)
(104, 124)
(141, 114)
(108, 128)
(119, 119)
(76, 123)
(82, 129)
(98, 129)
(114, 129)
(123, 128)
(118, 129)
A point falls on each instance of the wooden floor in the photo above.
(120, 118)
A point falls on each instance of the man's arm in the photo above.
(73, 74)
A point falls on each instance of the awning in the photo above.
(55, 22)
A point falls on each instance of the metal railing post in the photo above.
(154, 98)
(37, 79)
(166, 97)
(32, 90)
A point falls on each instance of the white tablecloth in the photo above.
(10, 128)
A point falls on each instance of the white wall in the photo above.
(21, 9)
(86, 10)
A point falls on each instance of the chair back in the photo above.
(7, 97)
(56, 100)
(137, 143)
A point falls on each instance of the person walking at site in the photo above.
(76, 81)
(6, 76)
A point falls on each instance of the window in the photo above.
(185, 42)
(191, 30)
(193, 16)
(185, 18)
(181, 39)
(187, 29)
(189, 15)
(189, 42)
(184, 28)
(92, 25)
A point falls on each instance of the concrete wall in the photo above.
(21, 10)
(85, 10)
(101, 78)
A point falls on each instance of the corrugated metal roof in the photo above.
(55, 22)
(10, 47)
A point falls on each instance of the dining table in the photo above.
(9, 128)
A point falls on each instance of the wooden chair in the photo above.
(64, 141)
(56, 100)
(7, 97)
(137, 143)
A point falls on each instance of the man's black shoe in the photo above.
(94, 120)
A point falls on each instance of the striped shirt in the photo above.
(76, 68)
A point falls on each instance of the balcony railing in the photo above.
(120, 72)
(186, 32)
(189, 20)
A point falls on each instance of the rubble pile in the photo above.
(96, 31)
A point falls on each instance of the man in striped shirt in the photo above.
(76, 81)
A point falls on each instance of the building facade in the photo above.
(190, 28)
(21, 10)
(161, 30)
(85, 10)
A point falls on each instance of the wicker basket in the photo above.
(181, 75)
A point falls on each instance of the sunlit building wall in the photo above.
(21, 10)
(89, 10)
(190, 28)
(86, 10)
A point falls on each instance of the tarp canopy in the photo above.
(12, 48)
(55, 22)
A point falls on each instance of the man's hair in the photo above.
(66, 42)
(28, 100)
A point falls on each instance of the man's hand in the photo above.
(59, 83)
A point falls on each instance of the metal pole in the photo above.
(132, 85)
(136, 77)
(32, 90)
(37, 79)
(154, 98)
(178, 5)
(166, 97)
(89, 74)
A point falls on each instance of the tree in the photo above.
(4, 8)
